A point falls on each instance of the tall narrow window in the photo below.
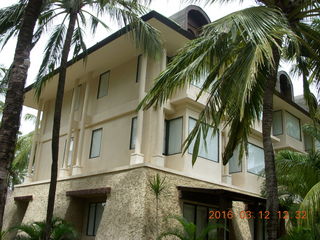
(255, 159)
(95, 143)
(293, 126)
(277, 123)
(69, 163)
(173, 138)
(234, 164)
(103, 84)
(209, 151)
(77, 103)
(138, 68)
(94, 217)
(133, 135)
(308, 143)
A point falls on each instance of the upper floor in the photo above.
(102, 131)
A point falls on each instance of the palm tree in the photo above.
(60, 230)
(240, 55)
(14, 97)
(74, 13)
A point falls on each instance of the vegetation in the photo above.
(299, 188)
(61, 230)
(239, 55)
(157, 185)
(189, 230)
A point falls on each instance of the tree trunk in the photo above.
(270, 169)
(14, 97)
(56, 123)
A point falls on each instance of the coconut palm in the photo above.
(70, 33)
(14, 97)
(240, 55)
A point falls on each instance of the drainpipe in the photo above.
(64, 171)
(77, 169)
(137, 157)
(158, 158)
(28, 178)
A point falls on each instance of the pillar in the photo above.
(137, 157)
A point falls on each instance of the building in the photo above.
(108, 151)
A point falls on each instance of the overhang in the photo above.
(89, 193)
(216, 195)
(26, 198)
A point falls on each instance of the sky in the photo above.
(165, 7)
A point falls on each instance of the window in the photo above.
(277, 123)
(138, 68)
(69, 163)
(234, 164)
(173, 139)
(94, 217)
(308, 142)
(210, 152)
(77, 103)
(133, 135)
(103, 84)
(293, 126)
(255, 159)
(95, 143)
(199, 215)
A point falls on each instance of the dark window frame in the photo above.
(93, 131)
(94, 218)
(196, 205)
(138, 67)
(167, 131)
(99, 84)
(299, 127)
(131, 132)
(248, 159)
(282, 132)
(218, 135)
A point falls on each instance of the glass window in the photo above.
(199, 215)
(308, 143)
(69, 163)
(277, 123)
(209, 151)
(199, 83)
(94, 217)
(234, 164)
(255, 159)
(133, 133)
(293, 127)
(96, 143)
(138, 68)
(173, 136)
(103, 84)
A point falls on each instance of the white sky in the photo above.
(165, 7)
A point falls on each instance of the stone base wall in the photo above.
(130, 211)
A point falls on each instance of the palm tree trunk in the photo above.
(14, 98)
(56, 123)
(270, 169)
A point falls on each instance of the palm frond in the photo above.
(311, 205)
(235, 53)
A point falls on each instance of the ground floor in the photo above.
(120, 205)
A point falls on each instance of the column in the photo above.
(28, 178)
(226, 177)
(158, 157)
(137, 157)
(77, 168)
(65, 171)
